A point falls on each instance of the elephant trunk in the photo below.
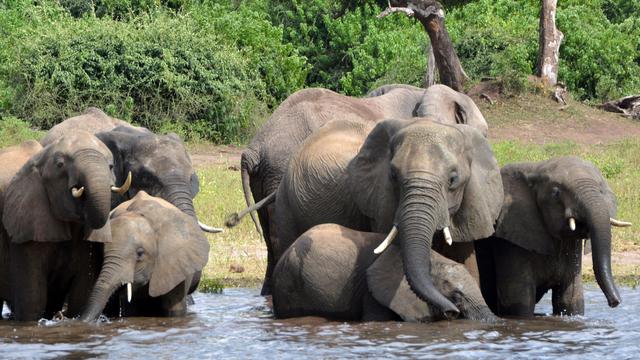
(96, 178)
(597, 218)
(111, 277)
(178, 193)
(421, 210)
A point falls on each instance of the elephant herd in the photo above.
(97, 212)
(386, 207)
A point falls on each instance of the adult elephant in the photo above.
(264, 161)
(92, 120)
(549, 208)
(155, 248)
(59, 198)
(413, 177)
(332, 271)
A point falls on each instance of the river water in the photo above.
(238, 324)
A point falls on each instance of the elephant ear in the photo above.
(483, 194)
(388, 285)
(27, 214)
(182, 250)
(520, 221)
(369, 174)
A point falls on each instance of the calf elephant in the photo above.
(92, 120)
(155, 249)
(549, 208)
(265, 160)
(416, 177)
(332, 271)
(59, 198)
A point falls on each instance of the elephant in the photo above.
(160, 166)
(549, 208)
(265, 160)
(155, 248)
(412, 178)
(92, 120)
(57, 199)
(333, 272)
(13, 158)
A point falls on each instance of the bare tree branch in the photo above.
(390, 10)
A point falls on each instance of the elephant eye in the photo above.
(555, 192)
(59, 163)
(453, 179)
(139, 254)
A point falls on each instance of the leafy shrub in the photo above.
(154, 70)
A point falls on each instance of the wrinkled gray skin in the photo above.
(160, 166)
(331, 271)
(92, 120)
(265, 160)
(534, 250)
(157, 248)
(418, 174)
(45, 259)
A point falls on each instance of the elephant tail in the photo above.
(234, 219)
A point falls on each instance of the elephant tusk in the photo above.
(125, 187)
(447, 235)
(76, 193)
(619, 223)
(387, 241)
(572, 224)
(129, 292)
(209, 229)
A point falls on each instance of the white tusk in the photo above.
(209, 229)
(125, 187)
(619, 223)
(447, 235)
(387, 241)
(129, 292)
(572, 224)
(76, 193)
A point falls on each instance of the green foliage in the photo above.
(192, 69)
(14, 131)
(211, 286)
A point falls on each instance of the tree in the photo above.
(431, 15)
(549, 43)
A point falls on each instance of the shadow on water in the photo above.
(239, 324)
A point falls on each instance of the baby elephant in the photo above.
(332, 271)
(549, 208)
(155, 250)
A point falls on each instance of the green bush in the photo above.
(183, 68)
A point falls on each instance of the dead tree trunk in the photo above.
(430, 74)
(549, 43)
(431, 16)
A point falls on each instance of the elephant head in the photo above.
(441, 103)
(153, 244)
(69, 181)
(159, 163)
(419, 177)
(562, 199)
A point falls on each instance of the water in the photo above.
(238, 324)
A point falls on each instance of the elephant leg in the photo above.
(515, 280)
(86, 264)
(174, 303)
(487, 272)
(374, 311)
(568, 298)
(268, 226)
(28, 282)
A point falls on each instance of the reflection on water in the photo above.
(238, 324)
